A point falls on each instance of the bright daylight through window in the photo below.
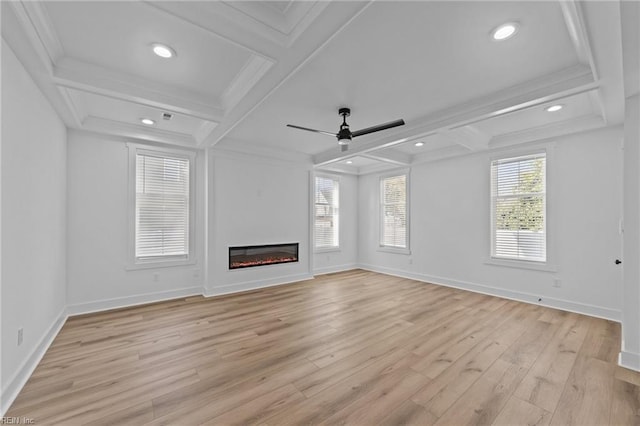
(162, 207)
(327, 223)
(393, 211)
(518, 204)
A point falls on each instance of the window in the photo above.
(163, 218)
(393, 212)
(518, 204)
(327, 217)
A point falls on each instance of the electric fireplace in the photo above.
(270, 254)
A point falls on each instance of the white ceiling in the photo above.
(245, 69)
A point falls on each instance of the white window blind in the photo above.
(518, 198)
(162, 207)
(393, 200)
(327, 218)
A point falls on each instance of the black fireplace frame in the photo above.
(263, 246)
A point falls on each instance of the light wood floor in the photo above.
(356, 348)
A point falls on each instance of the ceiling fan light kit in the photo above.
(345, 135)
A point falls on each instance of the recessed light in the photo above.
(419, 144)
(349, 162)
(554, 108)
(147, 121)
(504, 31)
(163, 50)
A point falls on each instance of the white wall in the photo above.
(33, 223)
(450, 234)
(347, 255)
(255, 200)
(98, 232)
(630, 355)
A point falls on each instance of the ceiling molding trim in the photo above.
(133, 131)
(206, 19)
(391, 156)
(468, 136)
(204, 130)
(577, 29)
(237, 149)
(337, 168)
(575, 125)
(39, 18)
(549, 88)
(289, 74)
(92, 79)
(255, 68)
(441, 154)
(300, 24)
(377, 168)
(78, 113)
(26, 23)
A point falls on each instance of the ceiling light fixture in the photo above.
(349, 162)
(554, 108)
(504, 31)
(163, 50)
(419, 143)
(147, 121)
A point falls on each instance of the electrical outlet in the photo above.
(20, 336)
(410, 261)
(557, 282)
(156, 277)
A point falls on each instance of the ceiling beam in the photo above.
(93, 79)
(469, 137)
(550, 88)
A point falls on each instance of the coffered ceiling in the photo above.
(242, 70)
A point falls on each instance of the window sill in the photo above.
(326, 249)
(153, 264)
(522, 264)
(394, 250)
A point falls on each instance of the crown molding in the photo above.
(255, 68)
(391, 156)
(568, 82)
(469, 137)
(136, 132)
(22, 12)
(243, 148)
(41, 22)
(576, 125)
(90, 78)
(574, 20)
(78, 112)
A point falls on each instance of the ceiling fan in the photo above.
(345, 135)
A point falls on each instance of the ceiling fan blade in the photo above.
(377, 128)
(312, 130)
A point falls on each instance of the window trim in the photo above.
(132, 262)
(550, 230)
(390, 249)
(327, 249)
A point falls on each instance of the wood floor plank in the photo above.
(519, 412)
(355, 347)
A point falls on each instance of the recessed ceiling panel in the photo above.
(118, 36)
(132, 113)
(410, 60)
(572, 107)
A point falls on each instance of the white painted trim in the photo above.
(255, 285)
(629, 360)
(565, 305)
(335, 268)
(127, 301)
(19, 379)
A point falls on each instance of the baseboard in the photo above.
(629, 360)
(334, 269)
(138, 299)
(19, 379)
(565, 305)
(254, 285)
